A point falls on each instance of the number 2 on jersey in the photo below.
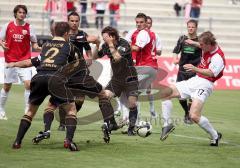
(50, 54)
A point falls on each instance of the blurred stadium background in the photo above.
(219, 16)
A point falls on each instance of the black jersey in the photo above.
(57, 53)
(124, 68)
(190, 54)
(80, 41)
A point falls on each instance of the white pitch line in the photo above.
(200, 138)
(204, 139)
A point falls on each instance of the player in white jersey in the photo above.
(198, 87)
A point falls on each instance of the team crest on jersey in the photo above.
(24, 32)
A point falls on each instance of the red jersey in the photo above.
(205, 62)
(18, 42)
(144, 55)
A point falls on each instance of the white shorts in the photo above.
(195, 87)
(13, 75)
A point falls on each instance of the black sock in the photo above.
(132, 117)
(71, 122)
(23, 127)
(62, 115)
(48, 117)
(184, 106)
(107, 110)
(189, 104)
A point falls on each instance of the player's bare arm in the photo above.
(205, 72)
(135, 48)
(36, 47)
(175, 59)
(110, 42)
(191, 42)
(93, 39)
(20, 64)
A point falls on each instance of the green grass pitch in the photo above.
(187, 147)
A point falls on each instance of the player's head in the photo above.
(149, 22)
(207, 41)
(62, 29)
(73, 20)
(192, 26)
(141, 20)
(20, 12)
(110, 31)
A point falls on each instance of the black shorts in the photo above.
(182, 75)
(84, 86)
(39, 90)
(129, 87)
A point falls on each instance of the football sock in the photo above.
(71, 122)
(23, 127)
(189, 104)
(124, 106)
(133, 113)
(106, 109)
(184, 105)
(4, 96)
(26, 97)
(151, 102)
(118, 105)
(205, 125)
(125, 112)
(48, 117)
(166, 112)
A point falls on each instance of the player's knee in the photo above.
(132, 103)
(7, 87)
(194, 117)
(106, 94)
(27, 85)
(70, 108)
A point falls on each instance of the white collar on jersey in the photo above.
(58, 38)
(214, 50)
(18, 25)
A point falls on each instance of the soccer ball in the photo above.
(144, 129)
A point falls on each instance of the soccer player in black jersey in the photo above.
(81, 40)
(189, 48)
(124, 75)
(55, 54)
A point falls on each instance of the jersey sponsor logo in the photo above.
(18, 37)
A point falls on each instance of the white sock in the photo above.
(26, 98)
(125, 112)
(118, 104)
(139, 112)
(3, 100)
(205, 124)
(151, 102)
(166, 112)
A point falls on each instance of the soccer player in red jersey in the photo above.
(15, 38)
(142, 45)
(199, 87)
